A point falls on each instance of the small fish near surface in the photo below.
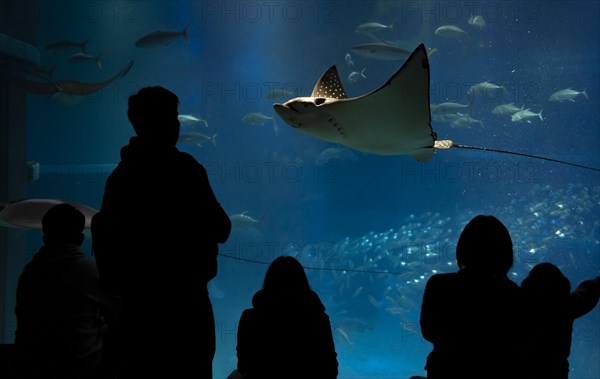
(567, 94)
(196, 138)
(161, 38)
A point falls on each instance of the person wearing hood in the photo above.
(155, 240)
(286, 334)
(61, 311)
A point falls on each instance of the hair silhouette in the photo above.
(63, 223)
(285, 275)
(485, 246)
(546, 281)
(151, 110)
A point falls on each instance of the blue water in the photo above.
(348, 213)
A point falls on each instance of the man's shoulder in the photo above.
(187, 161)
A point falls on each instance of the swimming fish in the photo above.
(257, 118)
(372, 27)
(335, 153)
(28, 213)
(66, 45)
(392, 120)
(196, 138)
(187, 119)
(242, 221)
(525, 115)
(451, 31)
(447, 107)
(348, 59)
(354, 75)
(506, 109)
(567, 94)
(66, 91)
(381, 51)
(477, 20)
(162, 38)
(83, 57)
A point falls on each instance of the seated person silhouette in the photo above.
(550, 310)
(471, 316)
(287, 333)
(60, 307)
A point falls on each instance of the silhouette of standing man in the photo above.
(156, 243)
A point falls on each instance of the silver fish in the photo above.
(506, 109)
(447, 107)
(372, 27)
(567, 94)
(257, 118)
(451, 31)
(187, 119)
(525, 115)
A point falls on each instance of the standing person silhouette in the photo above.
(472, 316)
(287, 333)
(549, 313)
(62, 313)
(156, 243)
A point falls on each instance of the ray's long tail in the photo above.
(446, 144)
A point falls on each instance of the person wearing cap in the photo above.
(60, 308)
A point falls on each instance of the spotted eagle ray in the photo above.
(394, 119)
(65, 91)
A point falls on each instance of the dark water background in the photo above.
(239, 50)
